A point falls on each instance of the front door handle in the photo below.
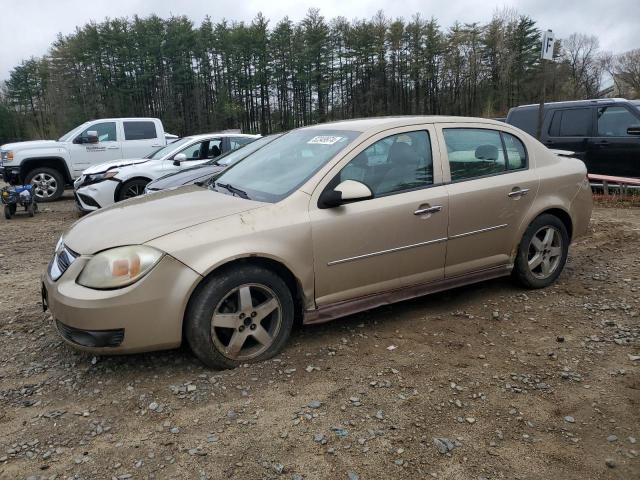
(427, 210)
(518, 192)
(113, 148)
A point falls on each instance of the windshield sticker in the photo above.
(324, 140)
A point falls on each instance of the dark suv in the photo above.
(605, 133)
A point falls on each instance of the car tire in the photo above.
(542, 253)
(132, 188)
(48, 183)
(239, 315)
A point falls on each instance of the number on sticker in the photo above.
(324, 140)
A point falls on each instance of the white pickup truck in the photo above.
(51, 164)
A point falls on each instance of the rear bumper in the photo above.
(144, 316)
(581, 208)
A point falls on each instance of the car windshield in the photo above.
(236, 155)
(276, 170)
(158, 154)
(72, 133)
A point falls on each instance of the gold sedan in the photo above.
(323, 222)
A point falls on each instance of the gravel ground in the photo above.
(483, 382)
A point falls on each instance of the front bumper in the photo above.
(11, 175)
(142, 317)
(96, 195)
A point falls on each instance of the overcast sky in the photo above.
(28, 27)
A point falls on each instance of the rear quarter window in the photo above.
(139, 130)
(524, 119)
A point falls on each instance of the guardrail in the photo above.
(622, 183)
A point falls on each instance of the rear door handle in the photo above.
(518, 192)
(427, 210)
(113, 148)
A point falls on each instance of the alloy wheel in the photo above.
(133, 191)
(545, 252)
(246, 322)
(45, 185)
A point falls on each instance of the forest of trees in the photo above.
(264, 77)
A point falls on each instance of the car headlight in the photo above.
(119, 267)
(59, 244)
(96, 177)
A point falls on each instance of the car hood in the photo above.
(144, 218)
(31, 144)
(185, 177)
(103, 167)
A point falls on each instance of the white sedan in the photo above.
(110, 182)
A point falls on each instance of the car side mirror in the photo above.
(179, 158)
(345, 192)
(633, 131)
(92, 136)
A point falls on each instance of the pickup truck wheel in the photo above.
(48, 183)
(240, 315)
(132, 188)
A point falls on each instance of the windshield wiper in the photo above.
(232, 189)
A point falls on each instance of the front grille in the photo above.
(91, 338)
(61, 261)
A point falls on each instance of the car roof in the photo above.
(384, 123)
(202, 136)
(575, 103)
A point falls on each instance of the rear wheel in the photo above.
(7, 212)
(31, 209)
(542, 253)
(48, 183)
(239, 316)
(132, 188)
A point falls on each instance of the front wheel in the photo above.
(48, 183)
(239, 316)
(542, 253)
(132, 188)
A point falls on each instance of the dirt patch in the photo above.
(520, 384)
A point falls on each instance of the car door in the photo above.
(613, 151)
(570, 129)
(140, 138)
(394, 239)
(491, 188)
(84, 154)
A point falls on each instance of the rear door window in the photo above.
(614, 121)
(237, 142)
(574, 122)
(474, 152)
(139, 130)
